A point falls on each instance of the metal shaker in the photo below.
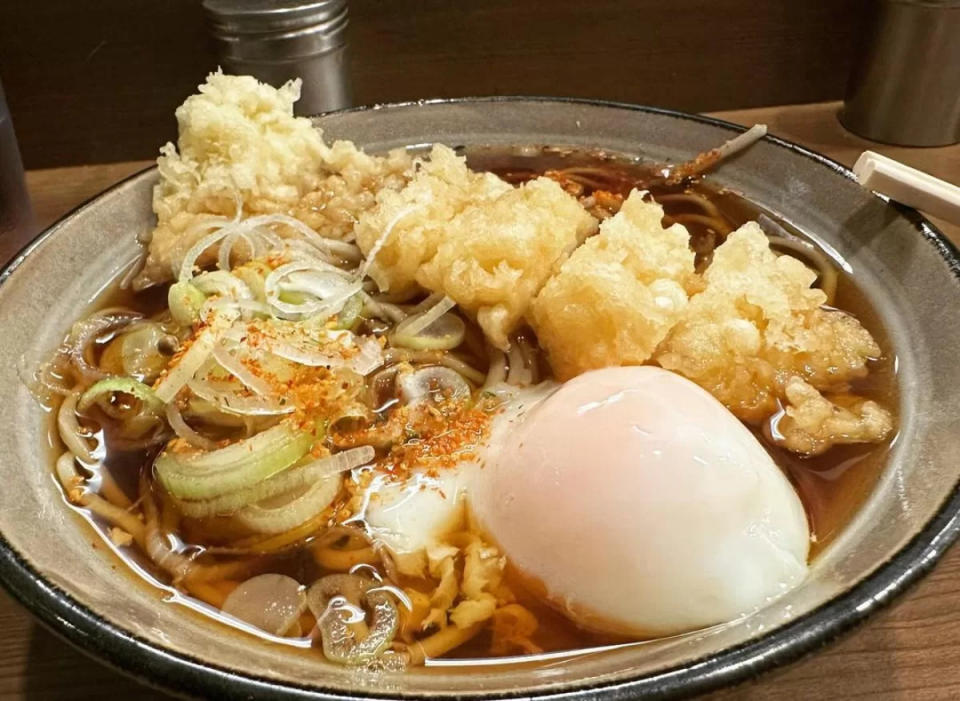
(276, 40)
(16, 215)
(905, 87)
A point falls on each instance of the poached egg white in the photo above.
(635, 500)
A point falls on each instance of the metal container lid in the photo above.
(270, 29)
(269, 16)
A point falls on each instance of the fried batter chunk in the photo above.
(757, 324)
(408, 226)
(239, 144)
(812, 423)
(495, 256)
(618, 295)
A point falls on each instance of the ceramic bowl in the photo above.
(908, 269)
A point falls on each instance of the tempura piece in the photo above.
(618, 295)
(757, 327)
(407, 227)
(495, 256)
(813, 423)
(828, 348)
(239, 144)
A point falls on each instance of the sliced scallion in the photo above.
(185, 301)
(125, 385)
(238, 466)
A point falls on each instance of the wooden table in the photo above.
(911, 650)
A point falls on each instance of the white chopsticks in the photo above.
(908, 186)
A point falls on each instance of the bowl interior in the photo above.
(63, 571)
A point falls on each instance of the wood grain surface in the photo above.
(908, 651)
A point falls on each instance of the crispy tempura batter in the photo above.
(487, 245)
(496, 256)
(618, 295)
(409, 225)
(748, 330)
(758, 324)
(812, 422)
(239, 143)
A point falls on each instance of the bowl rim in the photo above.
(186, 675)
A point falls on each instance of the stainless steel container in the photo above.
(276, 40)
(16, 215)
(905, 87)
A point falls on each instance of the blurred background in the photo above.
(97, 82)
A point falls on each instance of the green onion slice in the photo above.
(185, 301)
(238, 466)
(126, 385)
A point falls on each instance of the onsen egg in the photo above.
(641, 505)
(412, 515)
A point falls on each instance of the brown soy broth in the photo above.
(832, 486)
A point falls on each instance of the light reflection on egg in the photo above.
(639, 503)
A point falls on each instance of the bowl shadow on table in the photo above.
(56, 670)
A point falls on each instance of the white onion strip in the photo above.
(232, 364)
(415, 325)
(69, 429)
(191, 361)
(303, 356)
(382, 240)
(341, 248)
(270, 239)
(183, 430)
(226, 248)
(322, 285)
(368, 358)
(315, 307)
(189, 261)
(233, 403)
(303, 252)
(236, 228)
(284, 512)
